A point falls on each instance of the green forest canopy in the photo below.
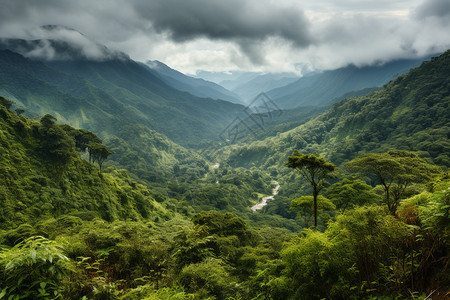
(71, 230)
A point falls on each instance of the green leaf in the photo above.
(3, 293)
(33, 255)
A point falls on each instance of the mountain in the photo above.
(248, 85)
(131, 110)
(195, 86)
(411, 113)
(248, 90)
(57, 42)
(131, 86)
(321, 88)
(43, 176)
(184, 118)
(228, 80)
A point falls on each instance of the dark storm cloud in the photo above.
(434, 8)
(26, 12)
(19, 9)
(35, 21)
(245, 23)
(237, 34)
(235, 20)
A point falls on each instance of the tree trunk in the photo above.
(387, 197)
(315, 193)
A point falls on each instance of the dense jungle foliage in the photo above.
(75, 227)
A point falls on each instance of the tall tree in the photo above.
(81, 137)
(315, 170)
(304, 207)
(395, 171)
(56, 146)
(98, 153)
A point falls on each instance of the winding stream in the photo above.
(265, 199)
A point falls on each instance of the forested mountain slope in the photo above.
(195, 86)
(42, 175)
(322, 88)
(135, 90)
(250, 88)
(411, 113)
(70, 231)
(38, 89)
(184, 118)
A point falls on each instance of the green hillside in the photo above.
(123, 88)
(321, 88)
(42, 176)
(184, 118)
(410, 113)
(178, 178)
(39, 89)
(69, 231)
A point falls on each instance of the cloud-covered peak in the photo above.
(246, 35)
(57, 42)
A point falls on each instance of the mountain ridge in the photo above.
(195, 86)
(321, 88)
(57, 42)
(410, 113)
(41, 89)
(35, 184)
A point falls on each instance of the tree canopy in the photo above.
(394, 170)
(315, 170)
(98, 153)
(348, 193)
(305, 208)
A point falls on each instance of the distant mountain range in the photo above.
(248, 85)
(195, 86)
(144, 112)
(123, 101)
(314, 88)
(411, 112)
(263, 83)
(322, 88)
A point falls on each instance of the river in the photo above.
(265, 199)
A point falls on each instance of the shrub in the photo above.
(32, 270)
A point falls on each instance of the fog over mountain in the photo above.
(58, 42)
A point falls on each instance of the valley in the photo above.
(264, 200)
(128, 180)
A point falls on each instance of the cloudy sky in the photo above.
(251, 35)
